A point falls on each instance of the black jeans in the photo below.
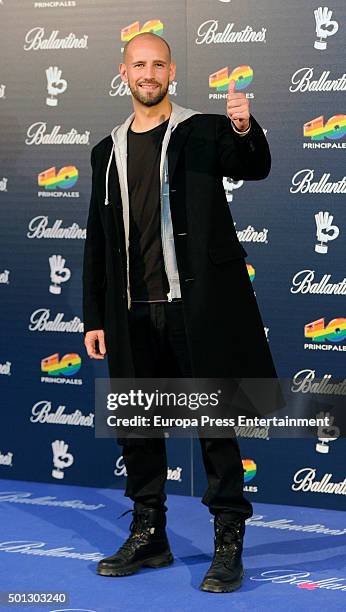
(159, 347)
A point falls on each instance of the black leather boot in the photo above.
(226, 571)
(147, 546)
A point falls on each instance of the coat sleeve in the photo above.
(94, 270)
(242, 157)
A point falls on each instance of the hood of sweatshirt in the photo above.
(119, 150)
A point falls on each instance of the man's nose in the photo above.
(149, 72)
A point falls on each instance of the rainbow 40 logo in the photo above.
(65, 178)
(68, 365)
(335, 331)
(130, 31)
(333, 129)
(250, 469)
(242, 75)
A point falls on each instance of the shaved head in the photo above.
(147, 68)
(148, 35)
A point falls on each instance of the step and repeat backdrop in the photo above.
(60, 93)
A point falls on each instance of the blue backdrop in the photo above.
(60, 93)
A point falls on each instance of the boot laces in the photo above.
(140, 534)
(227, 541)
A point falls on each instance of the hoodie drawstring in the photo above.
(107, 174)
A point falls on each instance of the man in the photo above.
(166, 288)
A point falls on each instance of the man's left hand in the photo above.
(238, 108)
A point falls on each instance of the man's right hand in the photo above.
(90, 340)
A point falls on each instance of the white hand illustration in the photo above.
(55, 84)
(325, 230)
(61, 458)
(58, 272)
(326, 434)
(324, 26)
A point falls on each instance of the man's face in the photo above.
(148, 70)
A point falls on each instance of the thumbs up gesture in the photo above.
(238, 107)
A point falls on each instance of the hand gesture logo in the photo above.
(61, 458)
(229, 185)
(58, 273)
(55, 84)
(325, 231)
(326, 434)
(324, 27)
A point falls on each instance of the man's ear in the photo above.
(172, 71)
(123, 72)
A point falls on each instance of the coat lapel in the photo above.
(176, 143)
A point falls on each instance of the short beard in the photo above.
(149, 101)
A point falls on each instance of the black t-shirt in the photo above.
(148, 279)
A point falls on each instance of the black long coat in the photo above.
(223, 323)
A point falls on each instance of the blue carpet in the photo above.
(302, 568)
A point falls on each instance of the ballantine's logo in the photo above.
(59, 273)
(325, 231)
(5, 368)
(207, 33)
(260, 433)
(4, 277)
(299, 579)
(30, 547)
(326, 434)
(36, 134)
(34, 40)
(42, 413)
(24, 497)
(39, 321)
(3, 184)
(130, 31)
(302, 81)
(302, 183)
(38, 229)
(6, 459)
(120, 88)
(304, 480)
(65, 179)
(242, 75)
(325, 27)
(318, 332)
(256, 520)
(61, 458)
(68, 365)
(249, 234)
(304, 382)
(172, 473)
(302, 282)
(318, 130)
